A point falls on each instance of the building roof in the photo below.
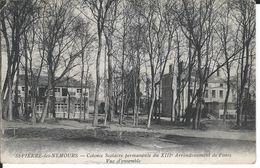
(213, 79)
(216, 79)
(63, 82)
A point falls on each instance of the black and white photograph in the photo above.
(128, 81)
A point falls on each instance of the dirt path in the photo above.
(248, 135)
(83, 139)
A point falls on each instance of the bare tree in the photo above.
(246, 18)
(191, 97)
(99, 10)
(15, 19)
(84, 40)
(158, 40)
(3, 115)
(1, 74)
(33, 74)
(124, 34)
(198, 21)
(109, 30)
(59, 32)
(229, 43)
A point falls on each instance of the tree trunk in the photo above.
(84, 108)
(248, 98)
(246, 80)
(160, 102)
(239, 110)
(122, 109)
(106, 90)
(52, 109)
(81, 86)
(172, 105)
(172, 98)
(137, 96)
(68, 106)
(138, 109)
(6, 87)
(1, 111)
(45, 109)
(123, 80)
(95, 119)
(110, 83)
(177, 118)
(227, 95)
(188, 109)
(244, 73)
(242, 81)
(122, 99)
(26, 115)
(10, 98)
(86, 100)
(196, 120)
(16, 103)
(152, 106)
(49, 106)
(33, 105)
(196, 123)
(135, 104)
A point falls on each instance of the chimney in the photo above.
(171, 68)
(180, 67)
(218, 70)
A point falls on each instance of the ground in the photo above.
(83, 138)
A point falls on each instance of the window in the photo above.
(23, 88)
(61, 107)
(56, 89)
(72, 93)
(190, 91)
(64, 91)
(77, 107)
(41, 92)
(213, 93)
(57, 107)
(218, 74)
(91, 103)
(78, 90)
(65, 108)
(86, 93)
(39, 107)
(221, 85)
(221, 94)
(28, 104)
(206, 94)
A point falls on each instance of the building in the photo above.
(67, 94)
(215, 93)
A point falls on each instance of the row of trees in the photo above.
(40, 36)
(134, 41)
(204, 35)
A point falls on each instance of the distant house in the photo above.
(214, 97)
(67, 94)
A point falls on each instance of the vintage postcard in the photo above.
(128, 81)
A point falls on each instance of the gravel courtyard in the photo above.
(83, 139)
